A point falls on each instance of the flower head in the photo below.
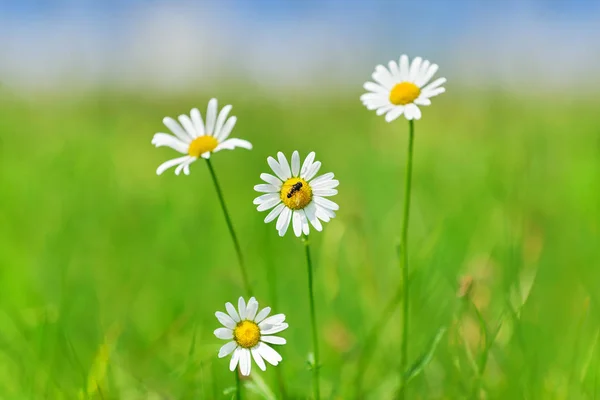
(401, 89)
(196, 139)
(298, 197)
(248, 331)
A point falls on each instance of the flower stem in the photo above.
(238, 386)
(404, 262)
(236, 244)
(313, 320)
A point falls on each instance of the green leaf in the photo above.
(425, 358)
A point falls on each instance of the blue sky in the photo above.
(171, 42)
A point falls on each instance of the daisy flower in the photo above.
(196, 139)
(295, 195)
(401, 88)
(248, 331)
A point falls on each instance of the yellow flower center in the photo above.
(201, 145)
(296, 193)
(404, 93)
(246, 334)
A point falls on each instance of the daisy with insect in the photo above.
(399, 90)
(297, 196)
(250, 333)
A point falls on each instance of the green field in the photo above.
(110, 274)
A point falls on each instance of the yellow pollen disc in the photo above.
(404, 93)
(201, 145)
(296, 193)
(246, 334)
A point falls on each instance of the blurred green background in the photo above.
(111, 274)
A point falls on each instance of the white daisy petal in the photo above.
(324, 214)
(414, 69)
(329, 184)
(394, 71)
(375, 88)
(270, 355)
(258, 358)
(273, 180)
(171, 163)
(226, 130)
(211, 116)
(383, 77)
(285, 218)
(231, 144)
(262, 314)
(273, 329)
(227, 349)
(232, 312)
(304, 219)
(314, 169)
(197, 121)
(416, 112)
(395, 113)
(276, 168)
(285, 167)
(235, 358)
(404, 67)
(273, 339)
(434, 92)
(274, 213)
(266, 188)
(242, 308)
(272, 320)
(187, 124)
(323, 202)
(295, 163)
(408, 112)
(428, 74)
(297, 223)
(435, 84)
(177, 129)
(251, 309)
(245, 362)
(225, 319)
(224, 333)
(164, 139)
(186, 169)
(385, 109)
(325, 192)
(268, 204)
(311, 214)
(308, 161)
(421, 73)
(422, 101)
(269, 196)
(221, 121)
(321, 179)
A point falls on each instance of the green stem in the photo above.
(238, 386)
(404, 262)
(313, 320)
(236, 244)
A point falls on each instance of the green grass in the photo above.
(94, 244)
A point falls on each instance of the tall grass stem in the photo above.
(404, 262)
(313, 320)
(236, 243)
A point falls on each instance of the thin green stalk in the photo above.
(236, 244)
(404, 262)
(238, 386)
(273, 285)
(313, 320)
